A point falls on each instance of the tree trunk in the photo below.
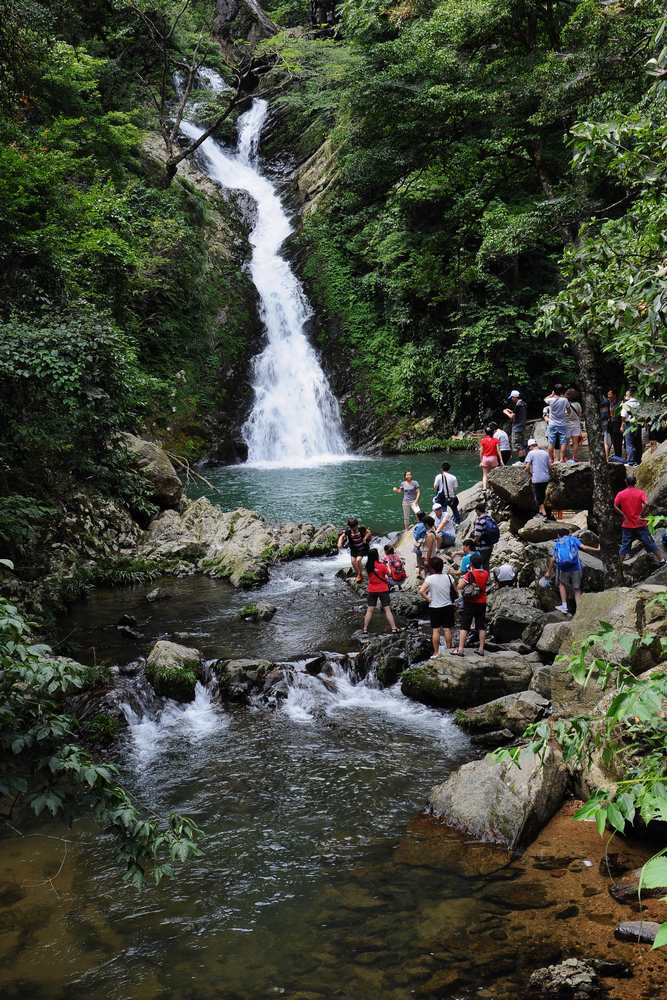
(606, 522)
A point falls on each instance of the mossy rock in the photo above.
(324, 546)
(174, 670)
(424, 685)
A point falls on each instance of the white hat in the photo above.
(514, 393)
(531, 442)
(436, 505)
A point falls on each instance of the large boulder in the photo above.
(539, 529)
(512, 484)
(502, 803)
(571, 486)
(553, 636)
(237, 680)
(652, 478)
(388, 656)
(462, 681)
(512, 711)
(510, 611)
(174, 670)
(531, 634)
(630, 611)
(155, 465)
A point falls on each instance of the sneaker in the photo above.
(564, 608)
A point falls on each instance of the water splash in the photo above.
(295, 419)
(192, 721)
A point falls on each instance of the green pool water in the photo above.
(333, 492)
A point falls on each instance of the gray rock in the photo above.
(531, 634)
(259, 611)
(463, 681)
(502, 803)
(541, 681)
(539, 529)
(155, 465)
(658, 577)
(512, 711)
(314, 664)
(652, 478)
(157, 594)
(639, 566)
(174, 670)
(571, 486)
(587, 537)
(512, 484)
(637, 931)
(626, 890)
(493, 740)
(509, 611)
(239, 679)
(574, 978)
(553, 636)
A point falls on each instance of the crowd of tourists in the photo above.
(456, 587)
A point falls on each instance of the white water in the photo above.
(295, 419)
(190, 722)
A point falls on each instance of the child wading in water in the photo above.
(378, 590)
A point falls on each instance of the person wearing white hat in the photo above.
(516, 413)
(539, 463)
(445, 525)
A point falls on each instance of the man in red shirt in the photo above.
(472, 586)
(630, 504)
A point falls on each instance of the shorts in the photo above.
(574, 430)
(557, 435)
(485, 552)
(540, 491)
(382, 597)
(570, 578)
(506, 455)
(473, 612)
(442, 617)
(642, 534)
(489, 462)
(357, 551)
(518, 438)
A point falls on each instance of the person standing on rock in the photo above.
(378, 590)
(357, 537)
(503, 441)
(631, 504)
(485, 533)
(446, 487)
(574, 422)
(632, 432)
(517, 413)
(468, 551)
(489, 455)
(472, 586)
(411, 493)
(539, 463)
(418, 536)
(430, 542)
(567, 565)
(440, 591)
(610, 416)
(559, 415)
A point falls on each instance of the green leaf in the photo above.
(661, 936)
(654, 873)
(601, 820)
(615, 818)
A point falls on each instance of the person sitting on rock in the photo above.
(504, 576)
(396, 567)
(485, 532)
(440, 591)
(567, 565)
(631, 503)
(430, 542)
(445, 527)
(472, 586)
(378, 590)
(357, 536)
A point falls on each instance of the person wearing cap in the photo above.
(539, 463)
(445, 526)
(516, 413)
(504, 576)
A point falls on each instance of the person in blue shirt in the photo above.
(567, 565)
(469, 550)
(418, 536)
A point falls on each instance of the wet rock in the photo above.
(512, 711)
(575, 978)
(239, 679)
(157, 594)
(388, 656)
(155, 465)
(127, 620)
(512, 484)
(553, 636)
(132, 633)
(493, 740)
(637, 931)
(464, 681)
(571, 486)
(502, 803)
(639, 566)
(314, 664)
(626, 890)
(131, 669)
(540, 529)
(510, 611)
(174, 670)
(259, 611)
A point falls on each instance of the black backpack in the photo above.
(490, 532)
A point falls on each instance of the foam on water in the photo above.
(192, 721)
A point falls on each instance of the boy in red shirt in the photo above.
(473, 588)
(630, 504)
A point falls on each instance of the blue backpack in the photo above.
(566, 553)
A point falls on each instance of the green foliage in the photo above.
(629, 734)
(439, 444)
(45, 769)
(126, 571)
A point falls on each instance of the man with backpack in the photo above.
(567, 564)
(357, 537)
(446, 487)
(440, 591)
(473, 586)
(486, 533)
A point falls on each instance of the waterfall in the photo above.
(295, 419)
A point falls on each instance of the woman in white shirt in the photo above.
(440, 591)
(503, 440)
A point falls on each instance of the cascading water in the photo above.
(295, 419)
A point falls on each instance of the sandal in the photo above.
(395, 631)
(455, 652)
(479, 652)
